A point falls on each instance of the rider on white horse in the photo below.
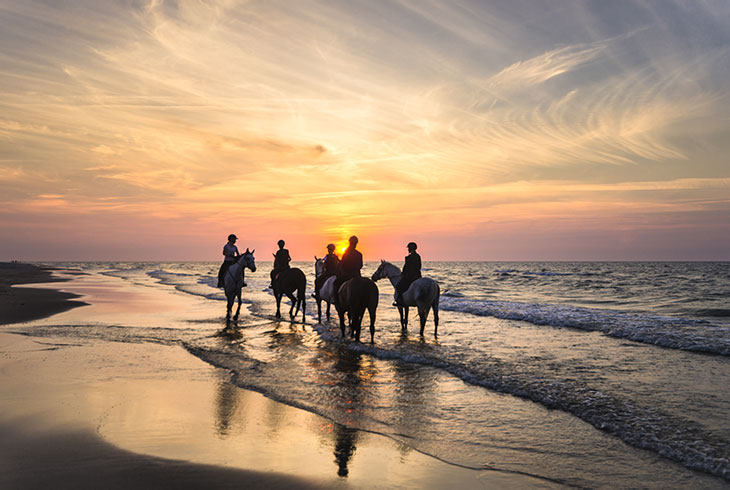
(330, 263)
(230, 252)
(411, 272)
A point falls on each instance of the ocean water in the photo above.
(587, 374)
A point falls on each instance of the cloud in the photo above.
(387, 116)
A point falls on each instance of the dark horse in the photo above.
(355, 296)
(285, 283)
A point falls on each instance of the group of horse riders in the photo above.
(343, 269)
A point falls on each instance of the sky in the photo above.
(482, 130)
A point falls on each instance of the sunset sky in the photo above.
(483, 130)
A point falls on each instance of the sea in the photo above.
(587, 374)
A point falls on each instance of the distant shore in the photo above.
(22, 304)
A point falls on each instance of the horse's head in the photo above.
(318, 266)
(384, 270)
(248, 260)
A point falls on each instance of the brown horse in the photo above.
(355, 296)
(285, 283)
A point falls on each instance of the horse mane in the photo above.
(387, 265)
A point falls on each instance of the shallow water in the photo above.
(590, 374)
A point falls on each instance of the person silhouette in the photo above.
(281, 261)
(331, 262)
(230, 252)
(411, 272)
(349, 266)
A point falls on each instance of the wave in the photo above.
(676, 438)
(663, 331)
(535, 273)
(647, 428)
(714, 312)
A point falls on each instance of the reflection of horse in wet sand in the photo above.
(233, 281)
(286, 283)
(423, 293)
(355, 296)
(326, 292)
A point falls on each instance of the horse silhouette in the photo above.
(354, 297)
(423, 293)
(286, 283)
(326, 292)
(233, 281)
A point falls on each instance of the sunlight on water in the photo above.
(545, 369)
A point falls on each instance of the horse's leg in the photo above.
(319, 309)
(406, 309)
(422, 315)
(371, 310)
(304, 306)
(328, 310)
(278, 304)
(341, 313)
(238, 310)
(229, 306)
(355, 325)
(294, 303)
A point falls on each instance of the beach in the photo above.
(89, 412)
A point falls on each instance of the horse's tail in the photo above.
(301, 286)
(374, 296)
(435, 307)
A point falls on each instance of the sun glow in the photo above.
(561, 143)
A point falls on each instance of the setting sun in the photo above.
(492, 140)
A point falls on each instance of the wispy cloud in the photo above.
(383, 116)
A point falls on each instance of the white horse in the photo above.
(326, 292)
(423, 293)
(233, 281)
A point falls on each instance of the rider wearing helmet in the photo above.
(411, 272)
(331, 261)
(230, 252)
(281, 261)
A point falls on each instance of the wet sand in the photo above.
(98, 414)
(19, 304)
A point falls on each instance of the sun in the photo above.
(342, 246)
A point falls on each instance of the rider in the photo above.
(230, 252)
(411, 272)
(349, 266)
(330, 262)
(281, 261)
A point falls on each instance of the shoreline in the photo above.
(82, 413)
(22, 304)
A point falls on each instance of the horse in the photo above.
(233, 281)
(423, 293)
(354, 297)
(326, 292)
(285, 283)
